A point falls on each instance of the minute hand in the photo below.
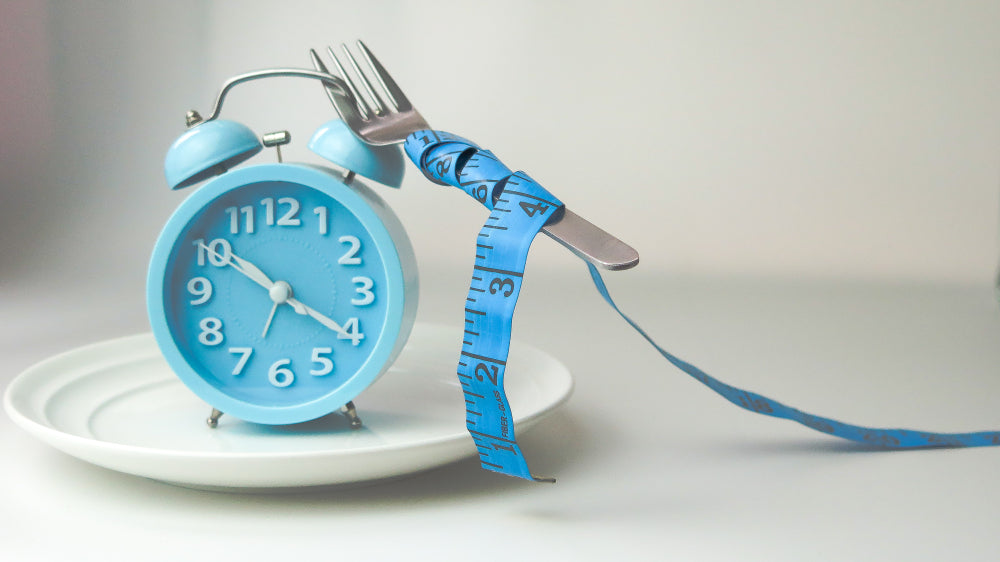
(324, 320)
(255, 274)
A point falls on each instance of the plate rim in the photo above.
(73, 444)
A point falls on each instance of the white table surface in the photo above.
(650, 464)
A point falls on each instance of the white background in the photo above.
(820, 174)
(848, 139)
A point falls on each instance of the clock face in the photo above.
(278, 294)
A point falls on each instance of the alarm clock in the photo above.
(278, 292)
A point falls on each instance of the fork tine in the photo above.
(330, 92)
(394, 93)
(379, 105)
(363, 108)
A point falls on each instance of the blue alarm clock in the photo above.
(278, 292)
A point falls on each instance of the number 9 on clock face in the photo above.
(277, 293)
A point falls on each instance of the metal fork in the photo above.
(378, 123)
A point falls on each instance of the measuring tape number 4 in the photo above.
(519, 209)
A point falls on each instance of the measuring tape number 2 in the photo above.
(519, 209)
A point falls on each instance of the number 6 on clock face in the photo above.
(277, 293)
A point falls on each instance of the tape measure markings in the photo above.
(489, 182)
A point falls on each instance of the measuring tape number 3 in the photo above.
(519, 209)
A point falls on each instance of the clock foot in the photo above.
(213, 418)
(352, 415)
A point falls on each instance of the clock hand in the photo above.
(243, 266)
(324, 320)
(280, 293)
(259, 277)
(252, 271)
(269, 318)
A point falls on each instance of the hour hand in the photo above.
(252, 271)
(257, 276)
(243, 266)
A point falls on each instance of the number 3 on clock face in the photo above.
(277, 293)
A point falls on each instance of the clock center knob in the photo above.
(280, 292)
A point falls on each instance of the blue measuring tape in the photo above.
(520, 207)
(892, 438)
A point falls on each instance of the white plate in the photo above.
(118, 405)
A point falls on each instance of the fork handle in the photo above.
(443, 157)
(449, 159)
